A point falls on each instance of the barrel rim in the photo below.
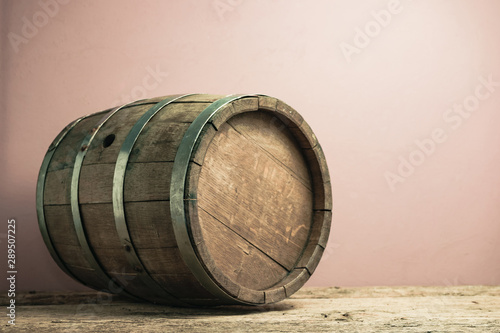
(184, 207)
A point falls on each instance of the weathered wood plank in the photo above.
(205, 139)
(149, 224)
(255, 196)
(246, 264)
(65, 153)
(272, 135)
(238, 106)
(58, 187)
(71, 254)
(147, 181)
(113, 260)
(96, 183)
(143, 182)
(253, 181)
(152, 237)
(119, 126)
(162, 260)
(60, 224)
(99, 224)
(371, 310)
(321, 178)
(183, 286)
(158, 142)
(88, 276)
(267, 103)
(321, 227)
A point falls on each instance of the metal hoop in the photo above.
(88, 253)
(118, 203)
(40, 187)
(177, 188)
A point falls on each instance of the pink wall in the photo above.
(417, 75)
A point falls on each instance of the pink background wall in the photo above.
(409, 126)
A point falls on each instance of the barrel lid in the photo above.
(250, 199)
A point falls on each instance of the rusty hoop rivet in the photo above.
(84, 147)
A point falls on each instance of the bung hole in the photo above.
(108, 141)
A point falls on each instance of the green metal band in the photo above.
(88, 253)
(177, 206)
(40, 187)
(118, 203)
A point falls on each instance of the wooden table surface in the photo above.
(376, 309)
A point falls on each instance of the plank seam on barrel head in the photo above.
(88, 253)
(254, 245)
(118, 200)
(215, 127)
(249, 242)
(40, 198)
(278, 162)
(198, 164)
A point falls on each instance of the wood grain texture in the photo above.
(149, 224)
(147, 181)
(185, 288)
(71, 254)
(257, 199)
(64, 156)
(273, 137)
(95, 197)
(248, 185)
(159, 141)
(248, 265)
(60, 224)
(119, 125)
(100, 225)
(236, 107)
(344, 310)
(89, 276)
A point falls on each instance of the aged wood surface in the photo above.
(260, 223)
(260, 211)
(377, 309)
(146, 195)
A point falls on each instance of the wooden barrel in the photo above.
(188, 200)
